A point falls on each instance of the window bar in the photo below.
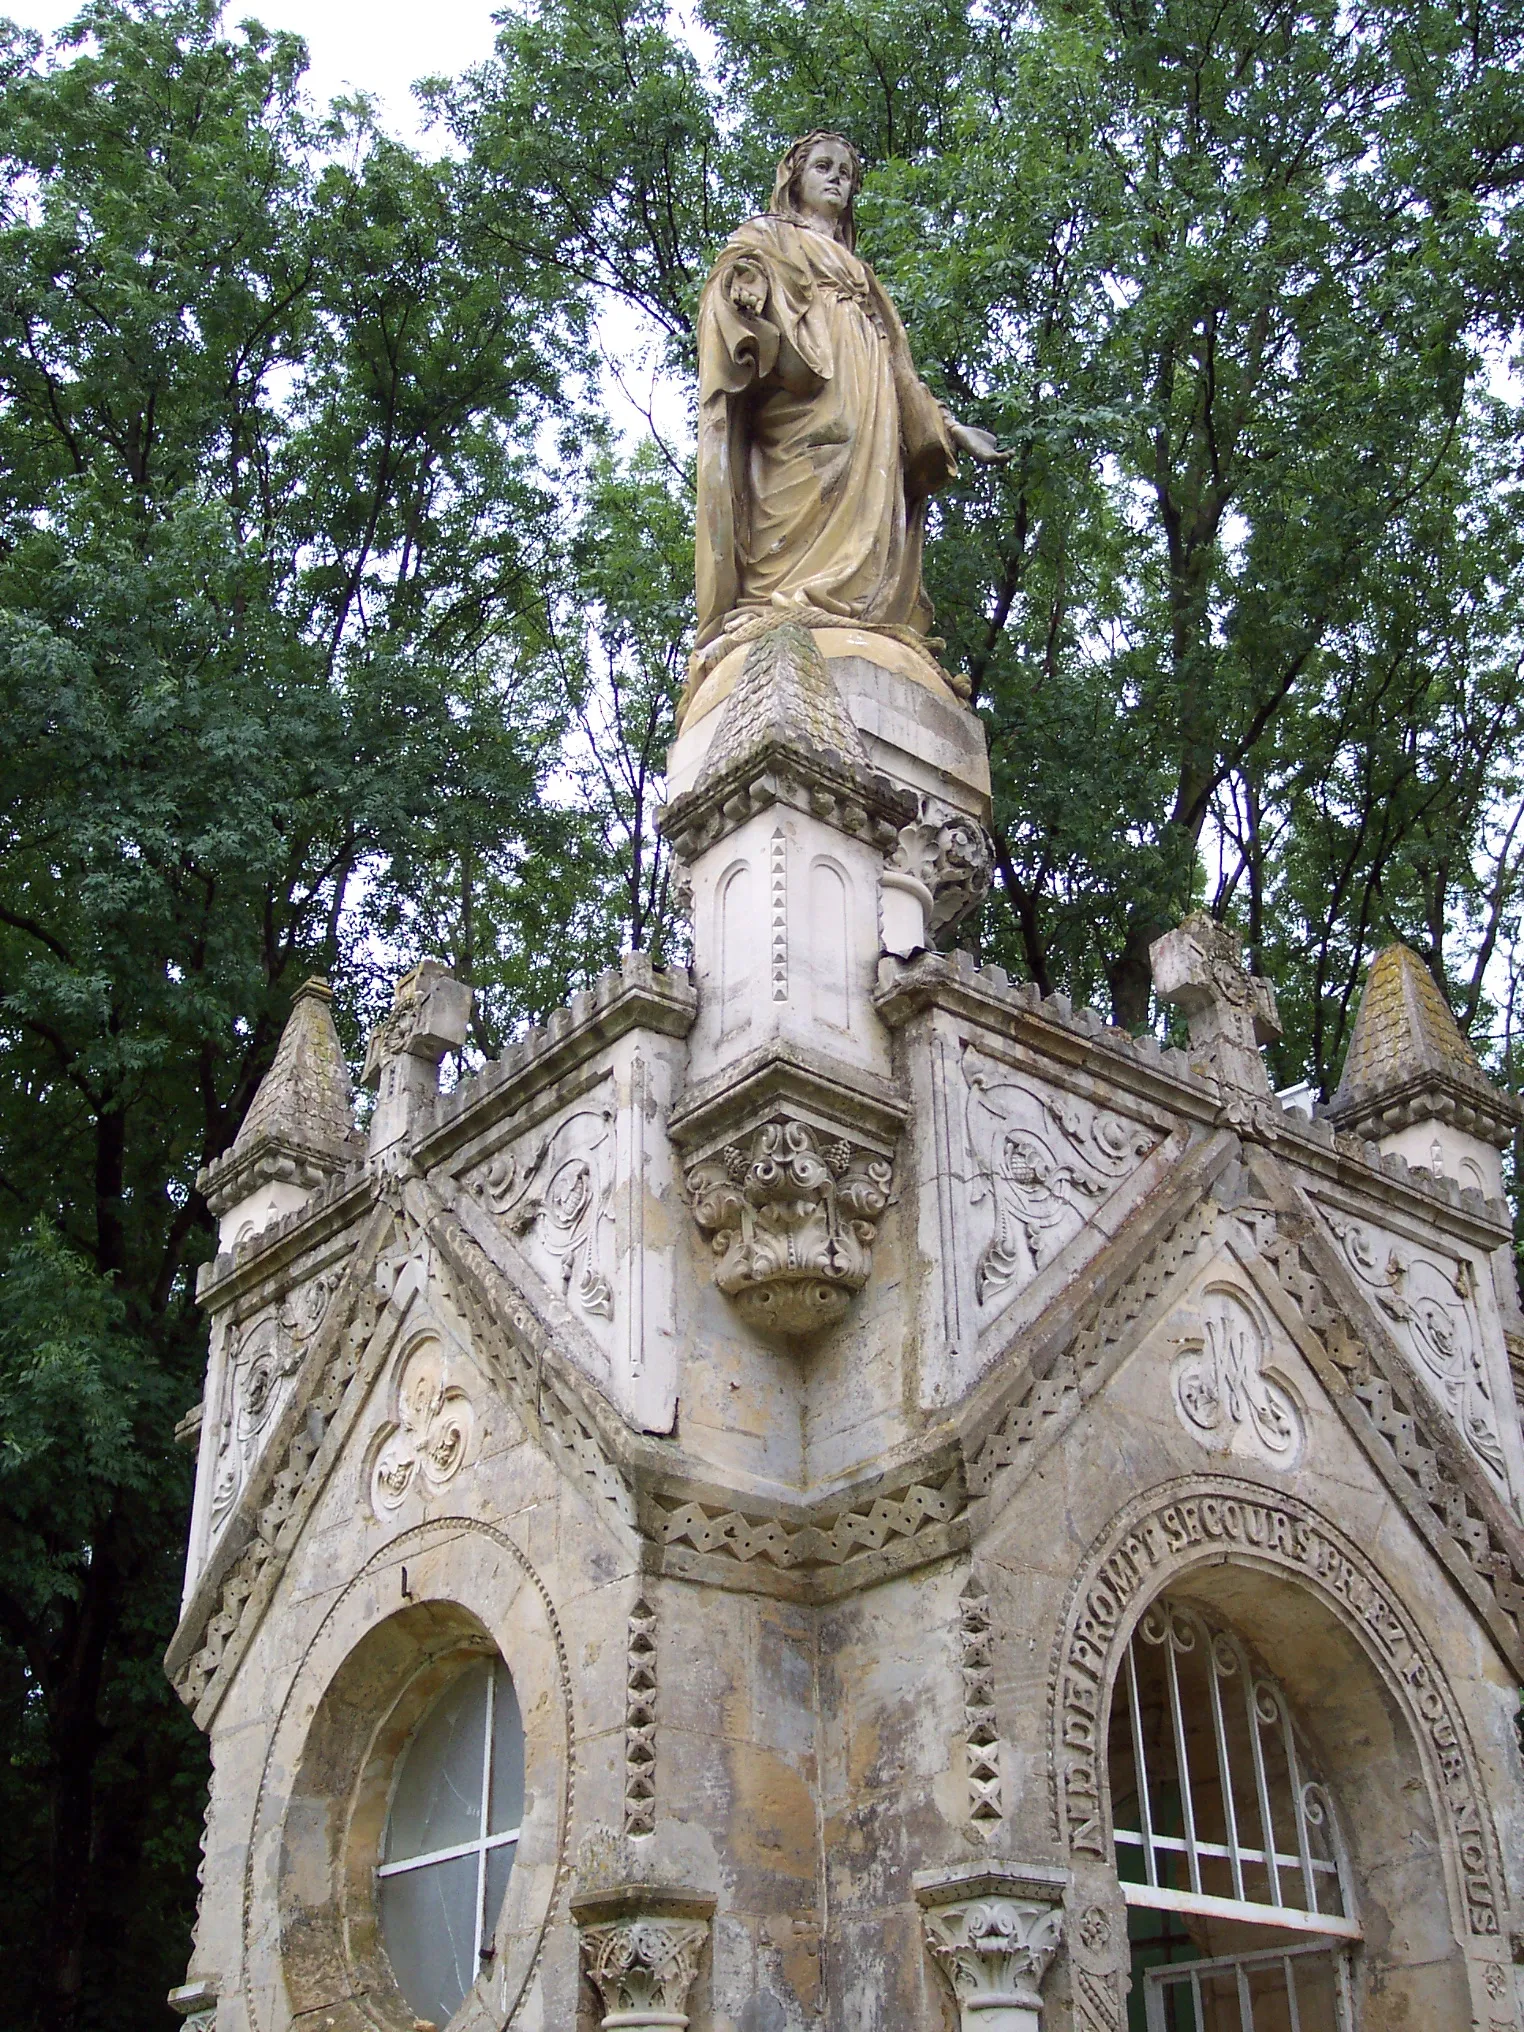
(1298, 1805)
(1196, 2011)
(1262, 1788)
(1245, 2001)
(1225, 1773)
(1291, 2005)
(1182, 1760)
(1344, 2001)
(1140, 1765)
(486, 1814)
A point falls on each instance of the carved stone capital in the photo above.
(944, 858)
(641, 1948)
(993, 1932)
(788, 1164)
(791, 1215)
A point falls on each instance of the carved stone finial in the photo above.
(297, 1131)
(1409, 1063)
(939, 873)
(993, 1933)
(429, 1014)
(1199, 968)
(792, 1220)
(641, 1947)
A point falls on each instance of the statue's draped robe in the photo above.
(818, 444)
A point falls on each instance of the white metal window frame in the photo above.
(1176, 1628)
(480, 1845)
(1187, 1975)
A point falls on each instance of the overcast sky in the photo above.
(376, 46)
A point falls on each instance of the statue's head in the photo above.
(787, 184)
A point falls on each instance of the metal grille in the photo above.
(1301, 1988)
(1222, 1816)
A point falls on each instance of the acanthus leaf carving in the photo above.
(994, 1950)
(1045, 1160)
(559, 1197)
(792, 1220)
(643, 1968)
(949, 853)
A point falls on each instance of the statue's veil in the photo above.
(785, 204)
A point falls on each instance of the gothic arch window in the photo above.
(1227, 1844)
(452, 1830)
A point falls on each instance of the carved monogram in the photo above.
(1432, 1306)
(1044, 1161)
(426, 1444)
(559, 1198)
(1224, 1398)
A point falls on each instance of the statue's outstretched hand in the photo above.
(981, 445)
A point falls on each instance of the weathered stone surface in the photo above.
(816, 1619)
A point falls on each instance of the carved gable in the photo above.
(1435, 1302)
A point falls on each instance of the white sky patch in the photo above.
(375, 46)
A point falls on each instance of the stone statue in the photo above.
(819, 445)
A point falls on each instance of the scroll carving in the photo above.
(257, 1382)
(560, 1199)
(1432, 1306)
(1045, 1160)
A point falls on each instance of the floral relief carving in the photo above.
(256, 1383)
(427, 1443)
(559, 1198)
(792, 1221)
(1222, 1393)
(1044, 1161)
(1433, 1308)
(644, 1968)
(994, 1953)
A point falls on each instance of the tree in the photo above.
(1230, 280)
(269, 514)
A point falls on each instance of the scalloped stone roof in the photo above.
(1408, 1057)
(785, 694)
(304, 1099)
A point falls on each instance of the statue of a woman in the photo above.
(818, 443)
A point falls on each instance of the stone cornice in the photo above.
(783, 1075)
(268, 1255)
(1473, 1105)
(869, 806)
(633, 996)
(1051, 1028)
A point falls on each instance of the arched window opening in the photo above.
(451, 1834)
(1226, 1842)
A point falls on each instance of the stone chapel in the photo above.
(831, 1493)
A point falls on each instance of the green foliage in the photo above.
(335, 627)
